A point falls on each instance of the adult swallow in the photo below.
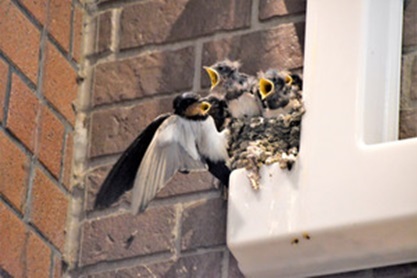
(184, 141)
(236, 88)
(279, 92)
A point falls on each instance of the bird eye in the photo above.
(221, 68)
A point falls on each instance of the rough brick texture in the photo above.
(204, 224)
(23, 253)
(179, 185)
(60, 21)
(205, 265)
(49, 209)
(159, 21)
(410, 23)
(50, 141)
(114, 129)
(60, 89)
(274, 8)
(280, 47)
(23, 113)
(4, 69)
(37, 8)
(127, 236)
(14, 172)
(18, 47)
(146, 75)
(37, 88)
(140, 61)
(104, 29)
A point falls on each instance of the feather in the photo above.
(122, 175)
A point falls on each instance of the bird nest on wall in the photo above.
(269, 132)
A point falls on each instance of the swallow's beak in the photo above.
(266, 87)
(205, 107)
(214, 77)
(288, 80)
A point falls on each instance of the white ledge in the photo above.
(350, 201)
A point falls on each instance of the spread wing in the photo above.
(173, 148)
(121, 177)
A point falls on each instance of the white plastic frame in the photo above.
(351, 200)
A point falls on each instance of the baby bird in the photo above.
(236, 88)
(280, 92)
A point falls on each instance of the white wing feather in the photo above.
(173, 148)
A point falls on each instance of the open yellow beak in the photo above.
(205, 107)
(266, 87)
(214, 77)
(288, 80)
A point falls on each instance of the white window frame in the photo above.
(351, 200)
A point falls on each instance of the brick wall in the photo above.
(39, 54)
(139, 54)
(142, 54)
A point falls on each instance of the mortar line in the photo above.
(28, 14)
(198, 58)
(7, 95)
(204, 250)
(42, 54)
(64, 154)
(105, 266)
(51, 265)
(188, 42)
(15, 69)
(225, 263)
(255, 14)
(115, 30)
(71, 35)
(136, 101)
(51, 177)
(10, 206)
(178, 230)
(76, 212)
(157, 203)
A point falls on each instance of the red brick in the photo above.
(60, 21)
(14, 172)
(408, 124)
(66, 178)
(23, 253)
(146, 75)
(274, 8)
(23, 50)
(59, 84)
(50, 141)
(113, 130)
(157, 21)
(104, 31)
(23, 113)
(410, 23)
(204, 265)
(49, 209)
(203, 224)
(124, 236)
(280, 47)
(4, 69)
(77, 33)
(38, 8)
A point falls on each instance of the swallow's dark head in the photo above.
(221, 71)
(190, 105)
(274, 82)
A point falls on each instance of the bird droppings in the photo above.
(258, 140)
(306, 236)
(295, 241)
